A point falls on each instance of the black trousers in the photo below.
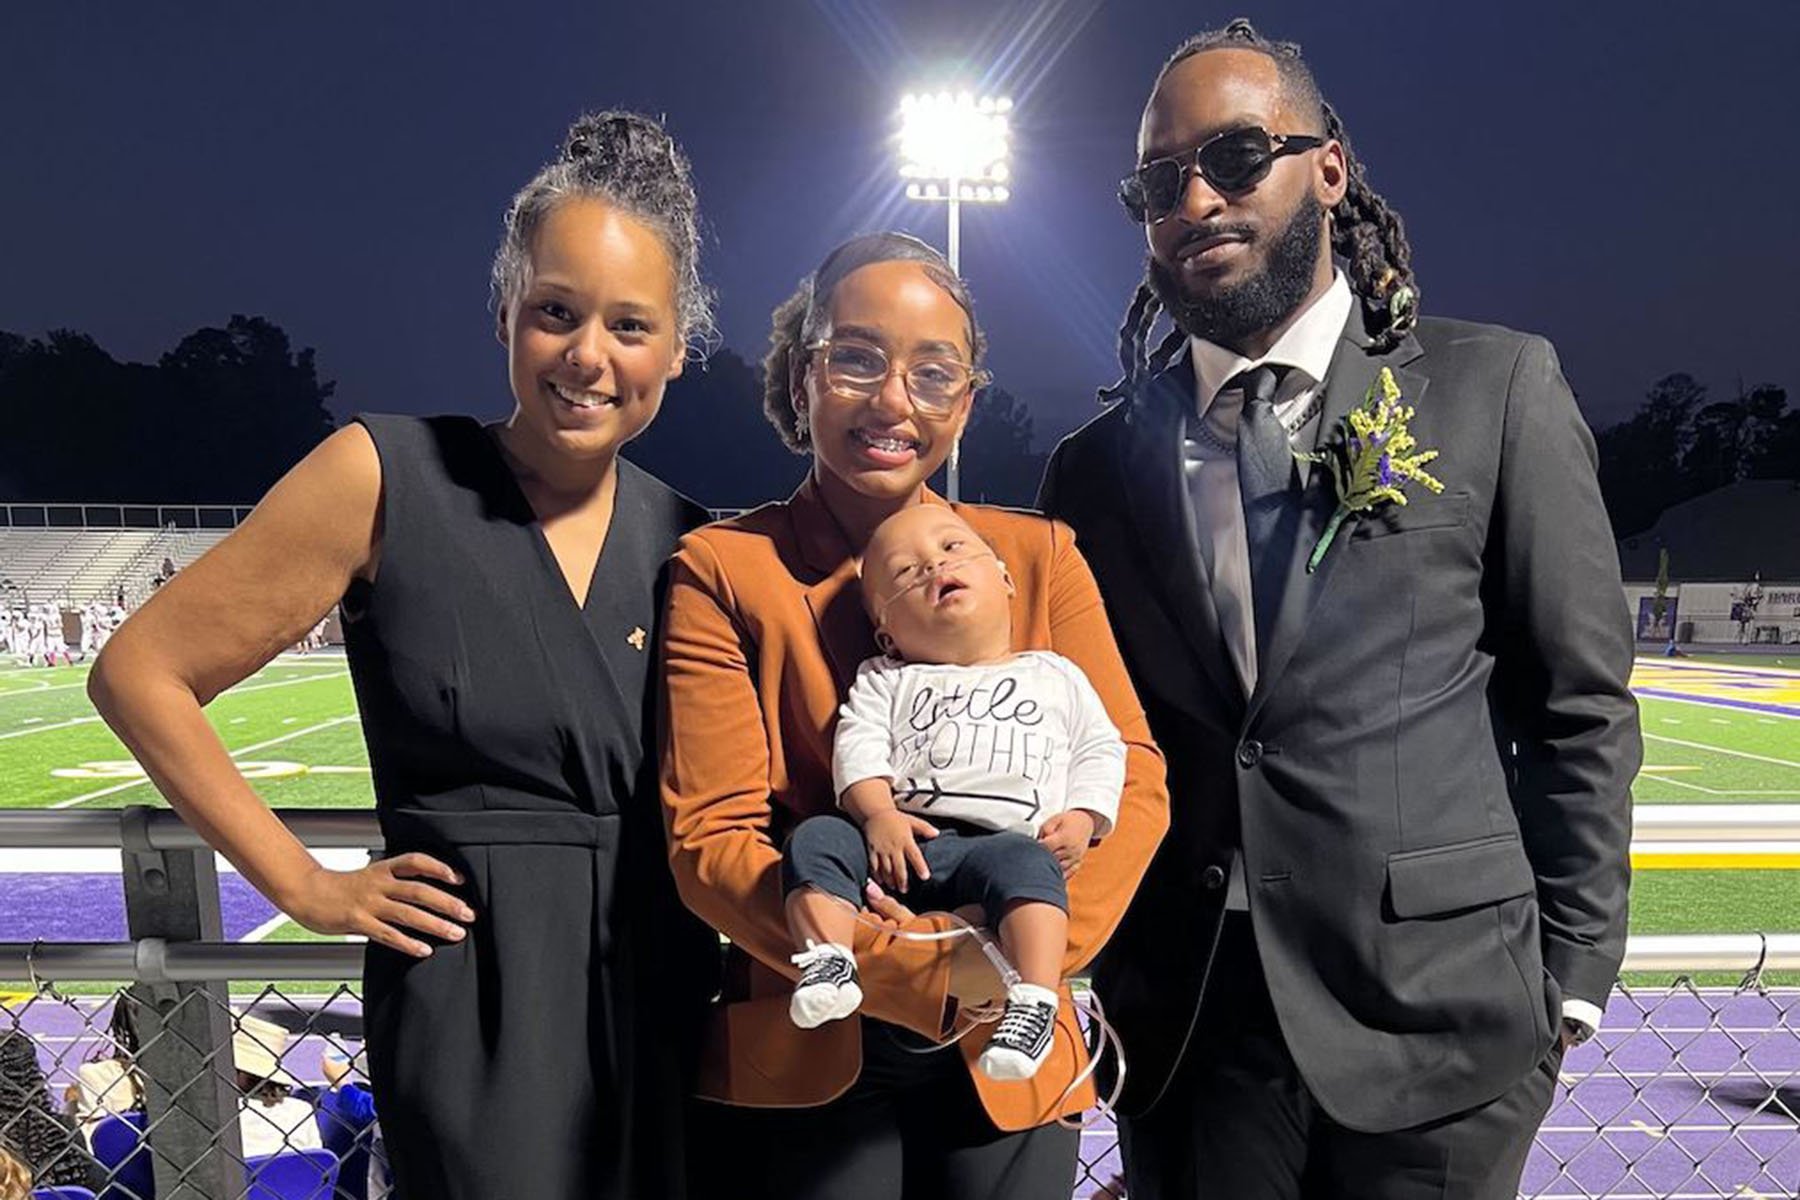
(911, 1128)
(969, 865)
(1238, 1122)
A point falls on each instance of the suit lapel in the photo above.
(1353, 369)
(1151, 472)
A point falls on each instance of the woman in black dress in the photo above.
(530, 981)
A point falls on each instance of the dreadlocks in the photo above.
(1365, 232)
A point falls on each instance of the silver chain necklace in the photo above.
(1204, 431)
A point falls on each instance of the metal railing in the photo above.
(75, 515)
(1688, 1091)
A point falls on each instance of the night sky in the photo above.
(1619, 176)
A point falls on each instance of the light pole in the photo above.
(953, 148)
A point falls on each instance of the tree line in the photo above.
(1681, 443)
(218, 419)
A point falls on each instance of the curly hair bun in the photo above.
(614, 138)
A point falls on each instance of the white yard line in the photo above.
(1762, 758)
(326, 671)
(18, 733)
(1718, 668)
(288, 737)
(1731, 704)
(263, 687)
(41, 689)
(241, 750)
(266, 928)
(105, 791)
(1682, 783)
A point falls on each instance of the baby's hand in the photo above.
(893, 839)
(1067, 835)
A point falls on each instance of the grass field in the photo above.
(1735, 739)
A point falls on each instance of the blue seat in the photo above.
(61, 1193)
(292, 1175)
(119, 1147)
(347, 1130)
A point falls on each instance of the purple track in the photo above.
(91, 907)
(1672, 1099)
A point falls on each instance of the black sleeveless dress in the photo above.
(545, 1054)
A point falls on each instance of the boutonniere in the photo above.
(1372, 459)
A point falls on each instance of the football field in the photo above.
(1673, 1098)
(1720, 731)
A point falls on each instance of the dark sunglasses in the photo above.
(1233, 161)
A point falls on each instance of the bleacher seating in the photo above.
(27, 553)
(73, 566)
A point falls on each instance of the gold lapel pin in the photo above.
(636, 637)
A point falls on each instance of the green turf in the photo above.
(1787, 662)
(298, 711)
(1715, 902)
(1709, 754)
(1735, 756)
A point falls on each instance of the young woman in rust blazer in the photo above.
(764, 632)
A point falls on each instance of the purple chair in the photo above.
(291, 1175)
(119, 1147)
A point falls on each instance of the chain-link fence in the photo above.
(1688, 1093)
(164, 1090)
(178, 1089)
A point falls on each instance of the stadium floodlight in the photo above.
(954, 148)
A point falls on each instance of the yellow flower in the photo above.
(1373, 460)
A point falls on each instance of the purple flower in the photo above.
(1355, 446)
(1378, 437)
(1386, 471)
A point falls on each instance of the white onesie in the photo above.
(1005, 745)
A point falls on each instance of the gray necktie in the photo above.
(1265, 471)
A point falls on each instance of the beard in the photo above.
(1226, 316)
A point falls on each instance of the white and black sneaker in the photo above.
(1022, 1043)
(829, 987)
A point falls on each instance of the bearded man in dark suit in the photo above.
(1399, 735)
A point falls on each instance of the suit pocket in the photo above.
(1445, 879)
(1422, 511)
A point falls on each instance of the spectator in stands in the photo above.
(15, 1176)
(108, 1084)
(51, 1149)
(528, 960)
(271, 1119)
(347, 1123)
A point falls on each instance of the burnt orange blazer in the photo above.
(764, 631)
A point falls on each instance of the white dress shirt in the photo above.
(1210, 457)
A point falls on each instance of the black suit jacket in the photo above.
(1430, 782)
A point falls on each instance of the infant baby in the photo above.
(967, 774)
